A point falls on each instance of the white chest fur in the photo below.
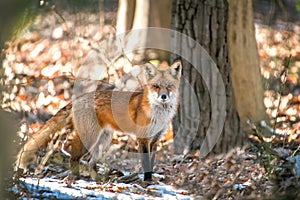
(160, 117)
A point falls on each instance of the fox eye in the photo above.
(155, 86)
(169, 87)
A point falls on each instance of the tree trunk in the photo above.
(206, 22)
(125, 15)
(246, 78)
(101, 14)
(142, 14)
(140, 21)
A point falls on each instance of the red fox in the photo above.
(94, 116)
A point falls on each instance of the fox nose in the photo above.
(164, 97)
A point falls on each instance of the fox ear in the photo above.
(150, 70)
(176, 69)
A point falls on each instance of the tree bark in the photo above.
(246, 78)
(206, 22)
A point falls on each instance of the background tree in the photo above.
(141, 14)
(133, 14)
(207, 23)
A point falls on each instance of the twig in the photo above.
(128, 178)
(63, 145)
(293, 154)
(264, 144)
(283, 74)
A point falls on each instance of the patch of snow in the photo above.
(56, 188)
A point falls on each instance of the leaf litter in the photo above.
(39, 70)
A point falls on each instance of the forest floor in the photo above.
(39, 73)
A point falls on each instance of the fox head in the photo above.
(162, 83)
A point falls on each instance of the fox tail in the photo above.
(29, 152)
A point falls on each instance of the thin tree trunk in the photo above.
(101, 13)
(141, 14)
(138, 39)
(205, 22)
(125, 15)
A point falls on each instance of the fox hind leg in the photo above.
(77, 151)
(98, 150)
(100, 147)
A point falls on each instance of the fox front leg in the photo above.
(147, 150)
